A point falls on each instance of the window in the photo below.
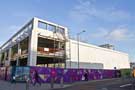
(42, 25)
(51, 27)
(60, 30)
(46, 26)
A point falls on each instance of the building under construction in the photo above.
(43, 43)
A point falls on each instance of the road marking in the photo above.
(126, 85)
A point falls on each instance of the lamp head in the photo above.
(83, 31)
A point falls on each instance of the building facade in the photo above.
(43, 43)
(95, 57)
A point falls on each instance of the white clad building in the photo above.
(43, 43)
(91, 56)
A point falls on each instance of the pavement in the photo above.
(106, 84)
(4, 85)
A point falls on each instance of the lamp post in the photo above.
(78, 51)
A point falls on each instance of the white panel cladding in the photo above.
(85, 65)
(94, 54)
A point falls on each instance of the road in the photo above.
(108, 84)
(114, 84)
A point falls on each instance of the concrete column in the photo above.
(17, 63)
(9, 55)
(0, 57)
(66, 47)
(5, 54)
(66, 33)
(33, 41)
(65, 56)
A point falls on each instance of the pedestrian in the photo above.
(133, 73)
(36, 78)
(13, 80)
(86, 76)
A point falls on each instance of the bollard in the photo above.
(27, 85)
(27, 82)
(53, 75)
(133, 84)
(61, 83)
(52, 82)
(14, 79)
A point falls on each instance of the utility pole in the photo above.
(78, 51)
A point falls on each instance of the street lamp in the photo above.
(78, 52)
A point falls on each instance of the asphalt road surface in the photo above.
(114, 84)
(108, 84)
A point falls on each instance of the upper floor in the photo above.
(43, 28)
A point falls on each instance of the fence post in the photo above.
(61, 82)
(27, 82)
(52, 82)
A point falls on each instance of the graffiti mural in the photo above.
(44, 75)
(70, 75)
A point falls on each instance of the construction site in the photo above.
(43, 43)
(35, 46)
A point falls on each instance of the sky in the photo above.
(105, 21)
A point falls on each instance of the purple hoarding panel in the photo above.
(69, 75)
(43, 73)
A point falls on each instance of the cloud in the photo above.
(116, 34)
(82, 11)
(101, 33)
(86, 10)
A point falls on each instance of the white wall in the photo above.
(94, 54)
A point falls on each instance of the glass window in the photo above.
(42, 25)
(60, 30)
(51, 27)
